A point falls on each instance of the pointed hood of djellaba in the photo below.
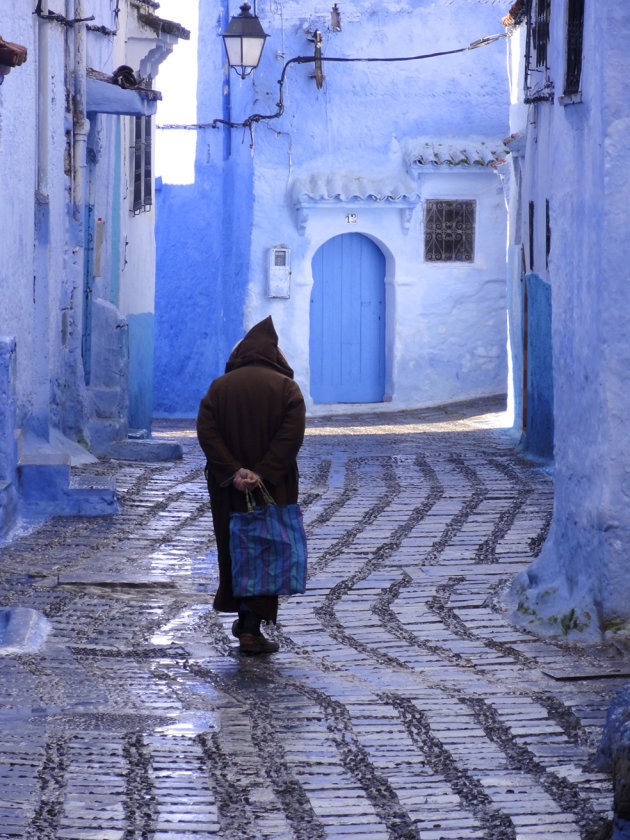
(260, 347)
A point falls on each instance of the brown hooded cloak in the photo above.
(253, 417)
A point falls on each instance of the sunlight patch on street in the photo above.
(499, 420)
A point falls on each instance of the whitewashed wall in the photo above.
(432, 309)
(362, 123)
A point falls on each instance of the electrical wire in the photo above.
(57, 18)
(248, 122)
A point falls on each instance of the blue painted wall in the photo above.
(539, 433)
(202, 236)
(202, 272)
(141, 342)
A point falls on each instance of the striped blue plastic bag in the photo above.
(268, 549)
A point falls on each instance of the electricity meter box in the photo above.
(279, 273)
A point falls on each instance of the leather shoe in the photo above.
(256, 644)
(236, 628)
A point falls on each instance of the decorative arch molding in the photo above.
(353, 194)
(304, 208)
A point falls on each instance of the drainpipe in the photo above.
(43, 100)
(75, 408)
(81, 124)
(38, 419)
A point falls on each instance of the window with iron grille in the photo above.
(537, 84)
(575, 29)
(141, 160)
(449, 231)
(541, 32)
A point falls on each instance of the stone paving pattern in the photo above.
(403, 702)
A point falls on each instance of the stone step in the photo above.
(103, 432)
(145, 450)
(50, 488)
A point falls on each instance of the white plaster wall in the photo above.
(138, 275)
(361, 122)
(137, 261)
(453, 326)
(432, 309)
(511, 174)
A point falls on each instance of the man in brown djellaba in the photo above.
(250, 426)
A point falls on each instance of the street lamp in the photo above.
(244, 40)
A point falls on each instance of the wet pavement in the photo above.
(402, 704)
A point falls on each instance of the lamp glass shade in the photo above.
(244, 40)
(243, 53)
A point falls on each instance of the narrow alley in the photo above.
(402, 704)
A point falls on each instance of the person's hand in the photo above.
(245, 480)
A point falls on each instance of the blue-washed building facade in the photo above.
(77, 257)
(367, 218)
(569, 266)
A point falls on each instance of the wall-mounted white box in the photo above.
(279, 273)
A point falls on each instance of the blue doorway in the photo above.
(347, 321)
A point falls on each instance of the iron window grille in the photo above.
(575, 29)
(541, 32)
(538, 86)
(449, 231)
(141, 157)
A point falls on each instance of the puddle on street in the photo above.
(199, 573)
(177, 629)
(162, 639)
(204, 571)
(190, 724)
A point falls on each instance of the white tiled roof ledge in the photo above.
(471, 151)
(344, 186)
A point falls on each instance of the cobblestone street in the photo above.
(402, 703)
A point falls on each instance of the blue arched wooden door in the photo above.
(347, 321)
